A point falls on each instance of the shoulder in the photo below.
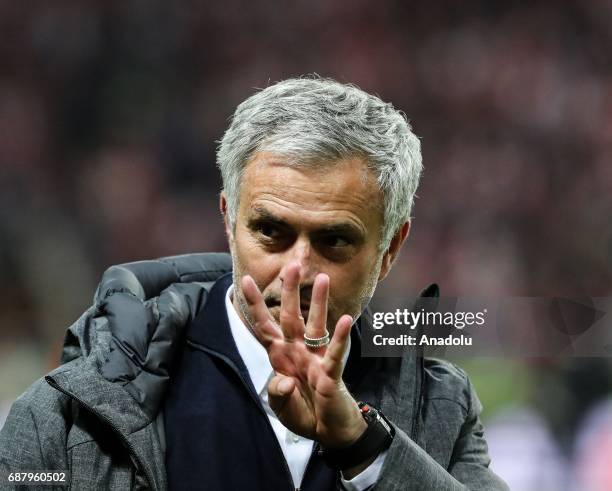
(39, 420)
(40, 400)
(446, 381)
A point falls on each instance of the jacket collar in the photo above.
(210, 329)
(252, 352)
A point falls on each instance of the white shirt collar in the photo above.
(253, 354)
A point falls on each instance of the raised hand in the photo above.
(307, 392)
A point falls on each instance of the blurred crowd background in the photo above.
(109, 113)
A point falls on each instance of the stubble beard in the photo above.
(243, 308)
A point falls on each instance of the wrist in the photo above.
(353, 472)
(356, 456)
(352, 434)
(348, 433)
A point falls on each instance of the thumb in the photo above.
(280, 389)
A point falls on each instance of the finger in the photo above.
(263, 325)
(281, 386)
(280, 389)
(334, 356)
(290, 406)
(316, 326)
(291, 322)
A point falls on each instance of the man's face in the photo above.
(328, 219)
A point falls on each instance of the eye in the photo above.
(269, 232)
(336, 241)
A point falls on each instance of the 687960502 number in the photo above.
(33, 478)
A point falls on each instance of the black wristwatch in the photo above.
(376, 438)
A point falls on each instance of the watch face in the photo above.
(372, 415)
(377, 437)
(368, 412)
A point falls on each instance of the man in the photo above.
(191, 372)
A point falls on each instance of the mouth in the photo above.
(274, 308)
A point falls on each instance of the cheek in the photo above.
(250, 259)
(349, 289)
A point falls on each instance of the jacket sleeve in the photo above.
(409, 468)
(27, 442)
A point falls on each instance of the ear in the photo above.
(393, 250)
(226, 220)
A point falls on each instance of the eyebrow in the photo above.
(259, 215)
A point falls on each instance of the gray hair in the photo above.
(315, 121)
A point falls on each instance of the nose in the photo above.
(301, 253)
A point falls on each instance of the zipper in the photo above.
(126, 443)
(257, 403)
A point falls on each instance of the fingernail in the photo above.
(284, 386)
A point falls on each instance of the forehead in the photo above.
(345, 189)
